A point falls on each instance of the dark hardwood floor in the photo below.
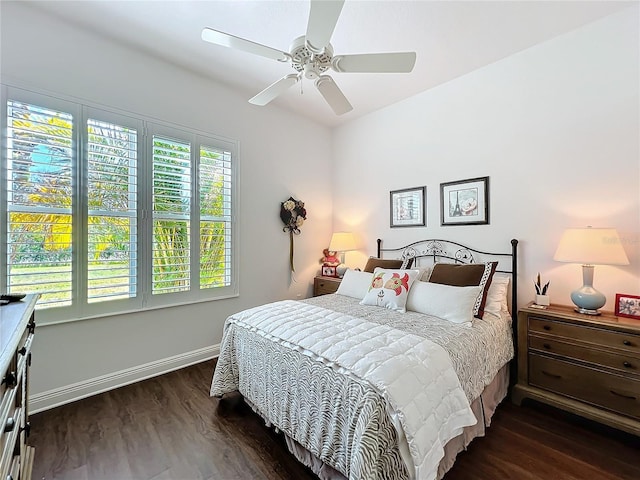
(169, 428)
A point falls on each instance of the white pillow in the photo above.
(390, 288)
(454, 304)
(497, 295)
(355, 284)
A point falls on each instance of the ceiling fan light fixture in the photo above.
(310, 72)
(311, 55)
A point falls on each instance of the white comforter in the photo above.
(414, 375)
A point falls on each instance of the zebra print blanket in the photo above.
(397, 390)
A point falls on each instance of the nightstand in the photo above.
(324, 285)
(587, 365)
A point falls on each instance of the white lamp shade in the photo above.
(342, 242)
(591, 246)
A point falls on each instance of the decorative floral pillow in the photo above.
(390, 288)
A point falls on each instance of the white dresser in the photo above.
(17, 327)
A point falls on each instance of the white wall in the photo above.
(555, 127)
(77, 358)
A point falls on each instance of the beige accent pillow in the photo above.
(497, 301)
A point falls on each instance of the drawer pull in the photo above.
(550, 374)
(546, 346)
(628, 397)
(26, 429)
(10, 425)
(546, 327)
(10, 379)
(627, 365)
(627, 343)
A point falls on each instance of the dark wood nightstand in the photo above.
(587, 365)
(324, 285)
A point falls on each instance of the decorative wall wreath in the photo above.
(293, 214)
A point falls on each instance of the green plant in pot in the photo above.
(541, 292)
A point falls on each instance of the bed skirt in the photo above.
(483, 408)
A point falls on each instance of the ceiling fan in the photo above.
(311, 55)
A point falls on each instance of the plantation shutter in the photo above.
(39, 175)
(171, 215)
(105, 212)
(112, 231)
(215, 217)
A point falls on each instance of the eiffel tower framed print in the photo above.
(465, 202)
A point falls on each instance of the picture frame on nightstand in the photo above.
(329, 271)
(627, 306)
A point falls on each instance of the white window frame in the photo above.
(146, 128)
(107, 307)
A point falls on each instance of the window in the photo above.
(215, 217)
(112, 173)
(39, 202)
(106, 213)
(171, 215)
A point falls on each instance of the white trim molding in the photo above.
(93, 386)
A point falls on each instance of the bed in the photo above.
(394, 374)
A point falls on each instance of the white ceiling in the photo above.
(451, 38)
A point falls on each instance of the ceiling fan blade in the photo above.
(333, 95)
(231, 41)
(398, 62)
(323, 17)
(275, 89)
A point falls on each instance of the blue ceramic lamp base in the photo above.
(587, 299)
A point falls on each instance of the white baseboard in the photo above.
(76, 391)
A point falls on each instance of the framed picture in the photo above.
(465, 202)
(627, 306)
(328, 271)
(408, 207)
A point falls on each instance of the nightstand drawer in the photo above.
(325, 285)
(625, 363)
(599, 388)
(596, 336)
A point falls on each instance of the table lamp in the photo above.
(342, 242)
(590, 246)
